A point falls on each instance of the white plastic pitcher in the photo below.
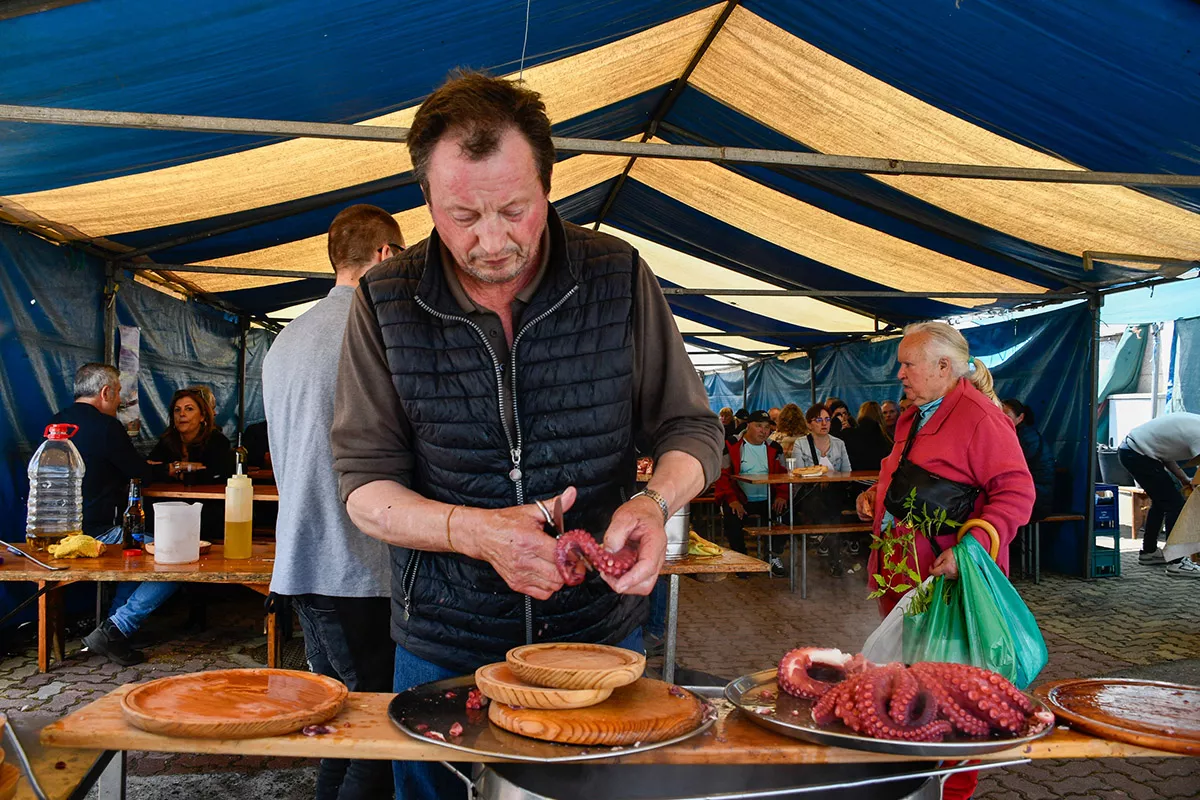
(177, 532)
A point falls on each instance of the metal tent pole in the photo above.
(733, 155)
(244, 326)
(746, 386)
(1094, 303)
(110, 314)
(812, 378)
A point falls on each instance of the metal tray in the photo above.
(792, 716)
(438, 705)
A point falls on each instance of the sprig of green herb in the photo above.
(896, 541)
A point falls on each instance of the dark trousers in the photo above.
(349, 638)
(734, 532)
(1166, 498)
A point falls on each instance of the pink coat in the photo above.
(968, 440)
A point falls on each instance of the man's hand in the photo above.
(945, 565)
(513, 542)
(780, 505)
(865, 505)
(640, 523)
(737, 508)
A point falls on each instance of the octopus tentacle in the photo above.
(911, 705)
(872, 695)
(810, 672)
(576, 552)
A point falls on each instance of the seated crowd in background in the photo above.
(191, 446)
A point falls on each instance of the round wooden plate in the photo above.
(10, 776)
(1163, 716)
(567, 665)
(233, 703)
(646, 711)
(497, 682)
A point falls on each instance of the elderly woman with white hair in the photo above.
(955, 447)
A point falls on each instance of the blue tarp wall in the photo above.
(52, 321)
(1041, 360)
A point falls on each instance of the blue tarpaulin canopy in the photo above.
(1067, 85)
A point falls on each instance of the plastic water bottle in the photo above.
(55, 489)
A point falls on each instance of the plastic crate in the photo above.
(1106, 515)
(1106, 561)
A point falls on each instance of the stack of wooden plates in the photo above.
(584, 694)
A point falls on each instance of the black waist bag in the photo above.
(933, 492)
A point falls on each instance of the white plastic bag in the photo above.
(886, 643)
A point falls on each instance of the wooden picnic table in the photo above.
(112, 566)
(362, 729)
(861, 476)
(173, 490)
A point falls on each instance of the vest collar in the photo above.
(561, 273)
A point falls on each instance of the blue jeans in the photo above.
(656, 625)
(135, 600)
(348, 638)
(425, 780)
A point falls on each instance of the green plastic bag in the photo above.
(963, 625)
(978, 619)
(1027, 637)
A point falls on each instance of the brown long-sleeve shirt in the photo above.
(372, 436)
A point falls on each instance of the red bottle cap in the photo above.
(133, 552)
(60, 430)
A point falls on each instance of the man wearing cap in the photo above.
(753, 454)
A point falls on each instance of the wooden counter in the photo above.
(173, 490)
(363, 730)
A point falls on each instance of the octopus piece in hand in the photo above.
(576, 552)
(810, 672)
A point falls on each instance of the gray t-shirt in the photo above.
(1171, 437)
(317, 548)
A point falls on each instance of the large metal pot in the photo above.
(683, 782)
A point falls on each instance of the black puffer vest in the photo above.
(572, 367)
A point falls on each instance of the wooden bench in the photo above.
(1031, 551)
(792, 531)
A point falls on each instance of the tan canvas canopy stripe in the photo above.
(287, 171)
(690, 272)
(787, 84)
(818, 234)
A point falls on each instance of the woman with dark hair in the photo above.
(192, 445)
(866, 443)
(839, 413)
(822, 504)
(1037, 453)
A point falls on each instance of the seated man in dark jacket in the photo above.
(108, 455)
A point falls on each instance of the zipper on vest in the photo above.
(512, 393)
(408, 578)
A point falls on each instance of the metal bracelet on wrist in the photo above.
(658, 498)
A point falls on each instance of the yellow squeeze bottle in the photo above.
(239, 506)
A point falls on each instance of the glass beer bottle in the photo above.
(133, 523)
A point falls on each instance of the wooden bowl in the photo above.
(205, 548)
(10, 776)
(497, 682)
(567, 665)
(233, 703)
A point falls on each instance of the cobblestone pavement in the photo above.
(1141, 619)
